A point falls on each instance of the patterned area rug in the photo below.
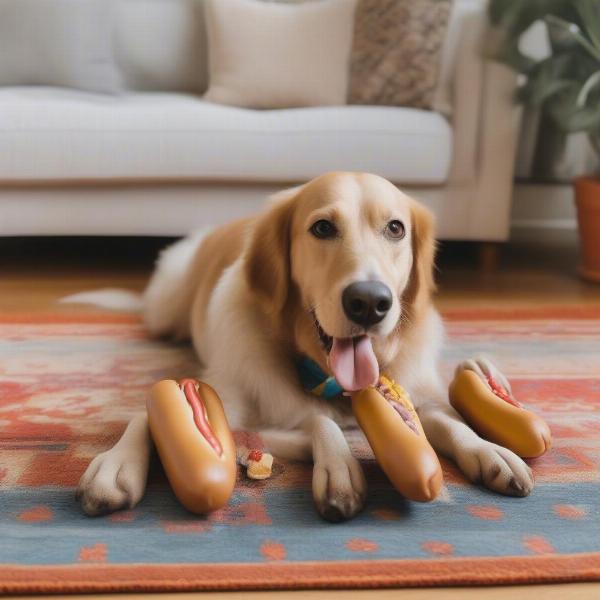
(69, 384)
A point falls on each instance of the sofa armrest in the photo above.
(467, 95)
(497, 141)
(485, 121)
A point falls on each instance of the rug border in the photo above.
(509, 570)
(506, 570)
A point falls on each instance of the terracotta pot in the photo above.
(587, 198)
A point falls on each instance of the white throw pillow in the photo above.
(272, 55)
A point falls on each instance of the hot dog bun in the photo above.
(502, 421)
(398, 440)
(201, 468)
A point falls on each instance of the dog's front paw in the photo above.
(339, 488)
(497, 468)
(114, 479)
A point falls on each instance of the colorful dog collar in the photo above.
(315, 380)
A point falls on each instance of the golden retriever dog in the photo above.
(339, 270)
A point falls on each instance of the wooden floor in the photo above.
(35, 273)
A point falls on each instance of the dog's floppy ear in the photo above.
(267, 258)
(421, 284)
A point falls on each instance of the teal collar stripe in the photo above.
(315, 380)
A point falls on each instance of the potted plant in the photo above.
(565, 85)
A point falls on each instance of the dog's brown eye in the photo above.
(394, 230)
(323, 229)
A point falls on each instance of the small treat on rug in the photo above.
(259, 464)
(392, 427)
(492, 411)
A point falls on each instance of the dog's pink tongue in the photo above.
(353, 363)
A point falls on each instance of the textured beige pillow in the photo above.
(396, 56)
(273, 55)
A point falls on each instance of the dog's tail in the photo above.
(166, 302)
(109, 298)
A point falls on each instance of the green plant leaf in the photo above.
(589, 11)
(516, 16)
(572, 32)
(537, 95)
(587, 119)
(592, 83)
(570, 117)
(566, 84)
(547, 78)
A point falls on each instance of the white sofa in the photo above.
(163, 163)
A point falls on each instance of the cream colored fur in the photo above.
(243, 341)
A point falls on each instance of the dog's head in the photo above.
(342, 265)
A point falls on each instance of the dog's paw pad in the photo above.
(497, 468)
(112, 481)
(339, 489)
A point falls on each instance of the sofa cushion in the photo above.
(58, 42)
(54, 134)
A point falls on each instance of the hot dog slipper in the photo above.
(482, 396)
(392, 427)
(194, 443)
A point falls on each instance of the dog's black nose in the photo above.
(366, 302)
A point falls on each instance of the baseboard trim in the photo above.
(564, 224)
(543, 206)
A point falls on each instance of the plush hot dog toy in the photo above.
(390, 422)
(494, 414)
(194, 442)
